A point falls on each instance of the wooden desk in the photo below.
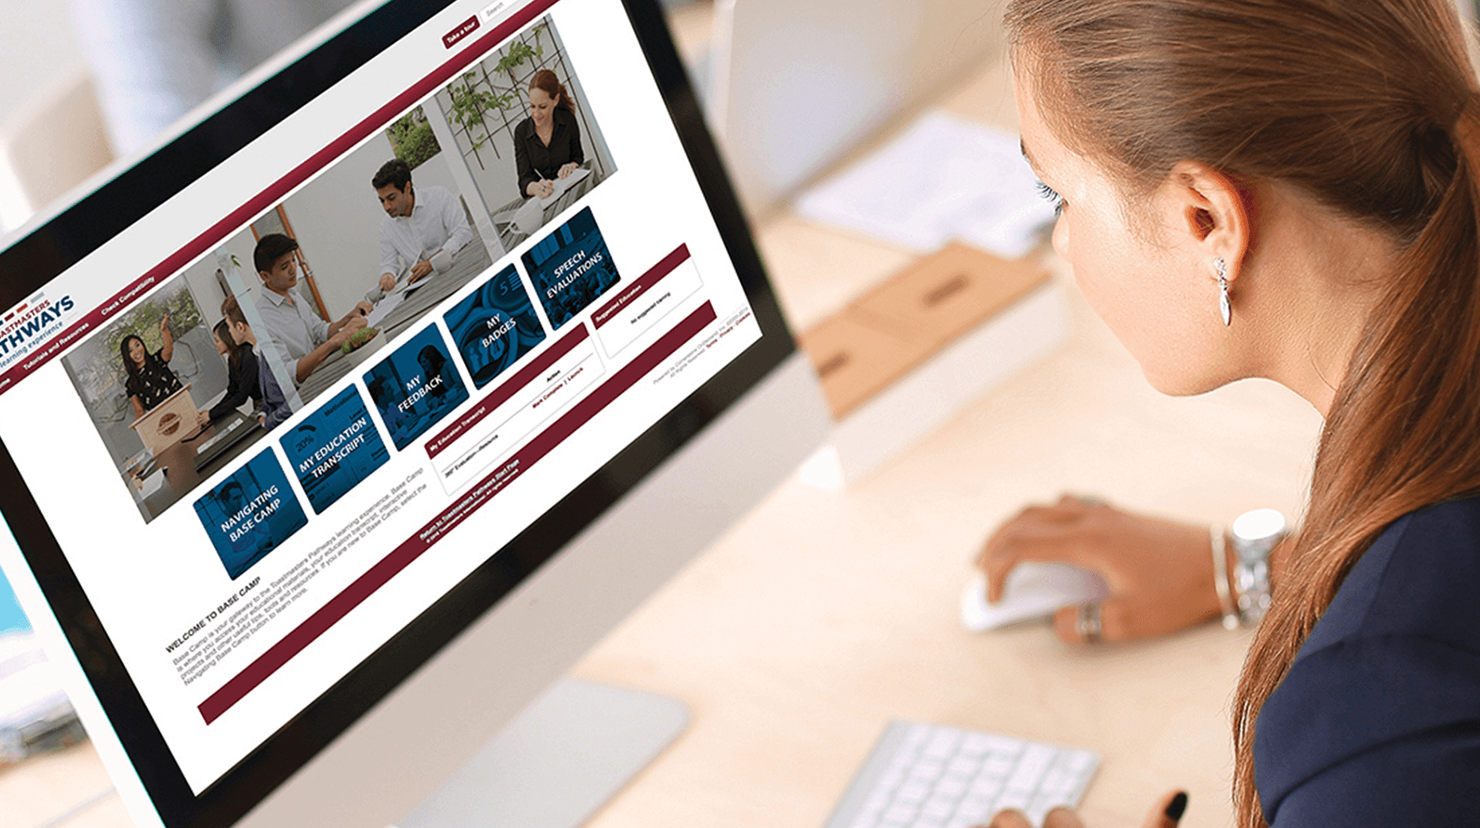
(825, 614)
(183, 467)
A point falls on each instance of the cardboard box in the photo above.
(903, 358)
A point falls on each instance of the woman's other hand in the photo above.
(1160, 573)
(568, 168)
(1165, 814)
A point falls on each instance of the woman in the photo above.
(241, 379)
(150, 380)
(1288, 189)
(547, 144)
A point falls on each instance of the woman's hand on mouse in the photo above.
(1160, 572)
(1166, 813)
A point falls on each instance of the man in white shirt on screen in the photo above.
(422, 231)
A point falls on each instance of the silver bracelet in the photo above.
(1220, 577)
(1255, 535)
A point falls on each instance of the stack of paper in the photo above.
(943, 179)
(563, 184)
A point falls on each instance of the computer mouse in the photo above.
(1033, 590)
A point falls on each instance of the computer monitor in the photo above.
(344, 561)
(795, 86)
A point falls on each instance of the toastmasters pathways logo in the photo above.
(31, 323)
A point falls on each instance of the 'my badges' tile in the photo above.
(335, 448)
(494, 326)
(570, 268)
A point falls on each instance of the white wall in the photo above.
(498, 177)
(336, 219)
(40, 46)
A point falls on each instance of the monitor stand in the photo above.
(557, 763)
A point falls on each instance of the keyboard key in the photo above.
(1012, 799)
(963, 766)
(988, 788)
(952, 786)
(938, 808)
(912, 792)
(1031, 767)
(1080, 760)
(900, 814)
(1057, 783)
(943, 745)
(998, 767)
(976, 745)
(927, 770)
(975, 808)
(1041, 805)
(1003, 745)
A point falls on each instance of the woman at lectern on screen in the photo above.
(547, 144)
(1287, 190)
(150, 380)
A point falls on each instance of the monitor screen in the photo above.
(290, 403)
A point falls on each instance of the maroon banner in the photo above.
(279, 189)
(501, 394)
(629, 295)
(470, 502)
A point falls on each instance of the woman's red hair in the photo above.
(546, 81)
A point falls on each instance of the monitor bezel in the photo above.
(31, 261)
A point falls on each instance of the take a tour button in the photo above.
(463, 29)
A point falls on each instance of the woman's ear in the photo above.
(1211, 214)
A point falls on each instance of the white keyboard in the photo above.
(932, 776)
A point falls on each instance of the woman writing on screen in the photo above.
(150, 380)
(1288, 189)
(547, 144)
(241, 374)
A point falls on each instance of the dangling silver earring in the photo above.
(1223, 303)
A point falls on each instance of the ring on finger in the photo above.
(1088, 623)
